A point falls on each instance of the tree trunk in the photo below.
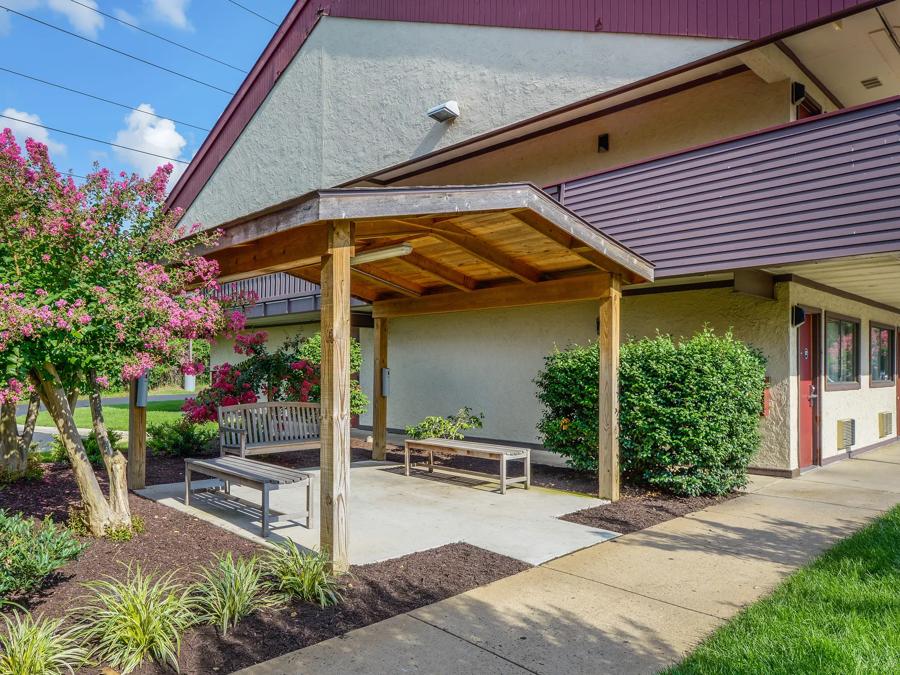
(97, 512)
(34, 406)
(12, 460)
(114, 460)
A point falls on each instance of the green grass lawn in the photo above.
(116, 415)
(840, 614)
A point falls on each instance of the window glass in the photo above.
(881, 347)
(841, 350)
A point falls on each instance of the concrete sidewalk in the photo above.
(635, 604)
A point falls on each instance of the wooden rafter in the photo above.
(446, 274)
(486, 253)
(563, 238)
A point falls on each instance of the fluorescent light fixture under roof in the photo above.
(381, 254)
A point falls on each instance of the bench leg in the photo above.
(503, 475)
(431, 461)
(309, 505)
(406, 459)
(187, 486)
(227, 487)
(528, 471)
(265, 511)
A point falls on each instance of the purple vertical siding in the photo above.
(821, 188)
(736, 19)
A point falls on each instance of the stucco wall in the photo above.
(862, 404)
(354, 98)
(488, 359)
(738, 104)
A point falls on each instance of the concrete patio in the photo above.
(392, 515)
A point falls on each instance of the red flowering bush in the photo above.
(290, 373)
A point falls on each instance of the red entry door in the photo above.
(808, 379)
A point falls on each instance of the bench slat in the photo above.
(250, 469)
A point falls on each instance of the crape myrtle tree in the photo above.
(93, 290)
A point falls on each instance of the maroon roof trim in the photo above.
(824, 187)
(733, 19)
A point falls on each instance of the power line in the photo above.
(100, 98)
(158, 37)
(257, 14)
(96, 140)
(117, 51)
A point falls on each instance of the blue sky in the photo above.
(215, 27)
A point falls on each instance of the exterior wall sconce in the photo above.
(449, 110)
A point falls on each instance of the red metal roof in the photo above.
(735, 19)
(820, 188)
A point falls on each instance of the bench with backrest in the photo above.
(267, 427)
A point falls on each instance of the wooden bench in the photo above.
(267, 427)
(502, 453)
(253, 474)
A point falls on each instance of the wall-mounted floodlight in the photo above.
(449, 110)
(381, 254)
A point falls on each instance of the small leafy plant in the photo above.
(130, 620)
(450, 427)
(91, 448)
(302, 574)
(230, 589)
(30, 551)
(30, 646)
(180, 439)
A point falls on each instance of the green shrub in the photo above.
(33, 471)
(32, 646)
(181, 438)
(130, 620)
(688, 411)
(446, 427)
(231, 589)
(304, 575)
(30, 551)
(91, 448)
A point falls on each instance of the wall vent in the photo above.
(846, 434)
(885, 424)
(870, 82)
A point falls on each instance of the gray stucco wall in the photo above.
(354, 99)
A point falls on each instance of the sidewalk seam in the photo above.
(477, 646)
(633, 592)
(801, 499)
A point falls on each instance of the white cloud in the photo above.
(83, 20)
(23, 130)
(120, 13)
(80, 18)
(19, 5)
(173, 12)
(150, 134)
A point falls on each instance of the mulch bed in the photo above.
(179, 542)
(639, 508)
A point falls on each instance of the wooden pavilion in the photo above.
(427, 250)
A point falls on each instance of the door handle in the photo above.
(812, 393)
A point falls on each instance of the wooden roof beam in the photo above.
(446, 274)
(572, 289)
(474, 246)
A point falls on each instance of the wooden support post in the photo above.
(136, 469)
(379, 413)
(335, 386)
(609, 390)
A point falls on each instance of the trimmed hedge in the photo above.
(688, 411)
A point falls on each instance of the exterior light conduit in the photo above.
(381, 254)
